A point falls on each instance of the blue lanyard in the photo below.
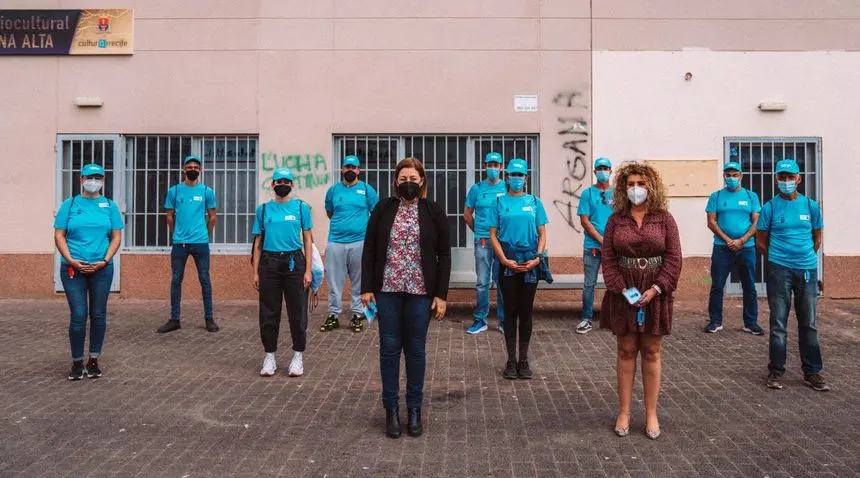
(640, 316)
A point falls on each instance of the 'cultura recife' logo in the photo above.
(104, 24)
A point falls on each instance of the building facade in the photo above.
(251, 85)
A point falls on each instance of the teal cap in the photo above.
(351, 160)
(493, 157)
(733, 165)
(92, 169)
(517, 165)
(787, 166)
(602, 162)
(282, 173)
(191, 157)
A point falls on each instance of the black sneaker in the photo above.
(816, 381)
(524, 372)
(77, 372)
(510, 372)
(330, 324)
(170, 326)
(773, 381)
(93, 370)
(754, 329)
(211, 326)
(356, 323)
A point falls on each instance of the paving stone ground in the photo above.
(190, 403)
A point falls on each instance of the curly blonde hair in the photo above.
(657, 195)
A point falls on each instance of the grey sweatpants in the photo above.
(340, 260)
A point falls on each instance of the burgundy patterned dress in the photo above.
(658, 237)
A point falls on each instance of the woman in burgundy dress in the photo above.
(641, 249)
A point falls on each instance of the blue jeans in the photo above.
(487, 269)
(722, 261)
(87, 296)
(591, 264)
(782, 282)
(178, 257)
(403, 323)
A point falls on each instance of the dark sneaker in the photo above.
(816, 381)
(211, 326)
(712, 328)
(77, 372)
(584, 327)
(93, 370)
(773, 381)
(356, 323)
(330, 324)
(510, 372)
(523, 370)
(753, 329)
(170, 326)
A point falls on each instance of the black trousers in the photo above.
(519, 301)
(277, 284)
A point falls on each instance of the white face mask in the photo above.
(637, 195)
(93, 185)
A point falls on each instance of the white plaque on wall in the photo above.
(525, 103)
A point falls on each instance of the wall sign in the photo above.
(67, 32)
(525, 103)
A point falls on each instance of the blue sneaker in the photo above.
(753, 329)
(477, 327)
(713, 328)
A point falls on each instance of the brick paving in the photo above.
(190, 403)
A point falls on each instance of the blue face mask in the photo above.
(787, 187)
(732, 183)
(516, 184)
(492, 174)
(603, 176)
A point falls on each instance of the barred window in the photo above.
(154, 163)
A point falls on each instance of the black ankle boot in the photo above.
(414, 426)
(392, 422)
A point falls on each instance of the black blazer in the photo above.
(435, 246)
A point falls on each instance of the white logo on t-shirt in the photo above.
(500, 194)
(528, 208)
(804, 217)
(104, 204)
(360, 191)
(197, 198)
(743, 203)
(289, 218)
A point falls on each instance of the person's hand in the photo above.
(255, 280)
(600, 240)
(367, 298)
(513, 265)
(77, 265)
(734, 244)
(307, 279)
(647, 296)
(94, 266)
(439, 305)
(532, 263)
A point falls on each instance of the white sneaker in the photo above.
(296, 367)
(269, 366)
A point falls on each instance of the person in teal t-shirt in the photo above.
(518, 235)
(732, 213)
(789, 235)
(87, 233)
(191, 221)
(480, 202)
(348, 204)
(595, 207)
(282, 252)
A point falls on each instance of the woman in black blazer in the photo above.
(405, 269)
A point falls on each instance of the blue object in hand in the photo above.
(640, 316)
(370, 312)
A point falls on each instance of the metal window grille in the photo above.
(758, 158)
(453, 163)
(154, 164)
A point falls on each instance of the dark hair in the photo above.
(416, 165)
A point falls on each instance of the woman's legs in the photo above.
(99, 291)
(526, 300)
(413, 336)
(510, 291)
(76, 287)
(390, 314)
(628, 349)
(650, 348)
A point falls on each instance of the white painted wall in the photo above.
(643, 108)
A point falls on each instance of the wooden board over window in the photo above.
(688, 177)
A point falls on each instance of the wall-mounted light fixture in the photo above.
(89, 101)
(772, 106)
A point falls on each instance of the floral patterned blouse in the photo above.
(403, 266)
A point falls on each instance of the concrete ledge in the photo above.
(466, 280)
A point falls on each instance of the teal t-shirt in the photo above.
(88, 224)
(597, 205)
(733, 209)
(517, 219)
(481, 199)
(284, 223)
(350, 207)
(190, 205)
(790, 225)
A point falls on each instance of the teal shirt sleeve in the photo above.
(712, 203)
(815, 212)
(62, 218)
(257, 229)
(210, 198)
(764, 219)
(541, 217)
(306, 216)
(329, 200)
(756, 203)
(472, 197)
(372, 196)
(584, 208)
(116, 222)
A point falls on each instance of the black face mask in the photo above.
(349, 176)
(408, 190)
(192, 174)
(282, 190)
